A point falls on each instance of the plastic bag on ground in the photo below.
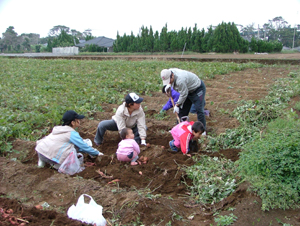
(90, 213)
(72, 164)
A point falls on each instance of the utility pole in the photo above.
(258, 32)
(294, 36)
(183, 50)
(294, 33)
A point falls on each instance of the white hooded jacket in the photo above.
(59, 143)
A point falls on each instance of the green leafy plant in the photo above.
(272, 164)
(297, 106)
(213, 179)
(233, 138)
(225, 220)
(255, 115)
(161, 116)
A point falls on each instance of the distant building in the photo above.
(100, 41)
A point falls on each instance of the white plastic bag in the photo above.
(88, 142)
(90, 213)
(72, 164)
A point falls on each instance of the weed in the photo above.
(283, 224)
(176, 217)
(297, 106)
(223, 111)
(225, 219)
(213, 179)
(161, 116)
(231, 209)
(271, 164)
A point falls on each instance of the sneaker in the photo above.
(41, 163)
(172, 146)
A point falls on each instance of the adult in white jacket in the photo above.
(129, 115)
(62, 141)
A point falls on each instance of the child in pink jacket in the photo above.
(183, 133)
(128, 149)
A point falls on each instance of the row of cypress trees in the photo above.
(225, 38)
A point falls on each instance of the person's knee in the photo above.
(138, 140)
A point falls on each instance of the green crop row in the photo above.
(269, 138)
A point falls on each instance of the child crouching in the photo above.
(128, 148)
(183, 133)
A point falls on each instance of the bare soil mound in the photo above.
(150, 194)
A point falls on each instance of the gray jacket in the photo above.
(185, 82)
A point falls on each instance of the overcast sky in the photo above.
(106, 18)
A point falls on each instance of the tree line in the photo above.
(226, 37)
(59, 36)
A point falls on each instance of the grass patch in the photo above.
(272, 165)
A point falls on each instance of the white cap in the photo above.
(133, 98)
(165, 75)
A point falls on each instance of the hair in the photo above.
(163, 89)
(66, 123)
(124, 133)
(198, 127)
(129, 104)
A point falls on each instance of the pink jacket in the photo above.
(182, 134)
(127, 146)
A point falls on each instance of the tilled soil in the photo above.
(147, 194)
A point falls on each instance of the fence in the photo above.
(65, 50)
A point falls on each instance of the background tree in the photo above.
(56, 30)
(9, 38)
(63, 40)
(164, 39)
(249, 32)
(208, 40)
(174, 41)
(26, 44)
(77, 34)
(34, 39)
(150, 40)
(87, 34)
(156, 43)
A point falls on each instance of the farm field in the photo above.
(35, 93)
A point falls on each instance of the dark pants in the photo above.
(197, 98)
(111, 125)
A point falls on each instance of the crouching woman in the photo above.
(60, 147)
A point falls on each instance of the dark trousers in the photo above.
(111, 125)
(197, 98)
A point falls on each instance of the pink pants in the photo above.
(177, 142)
(124, 158)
